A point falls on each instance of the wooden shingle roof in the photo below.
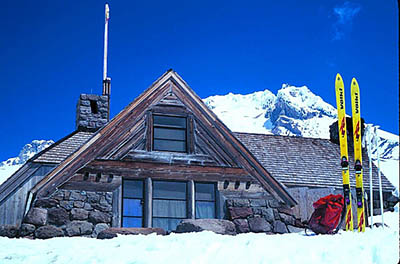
(299, 161)
(60, 150)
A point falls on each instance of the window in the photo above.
(205, 200)
(169, 133)
(132, 203)
(169, 204)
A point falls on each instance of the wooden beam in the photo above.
(191, 200)
(78, 182)
(148, 202)
(141, 170)
(89, 186)
(126, 165)
(117, 207)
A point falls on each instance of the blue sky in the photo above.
(51, 51)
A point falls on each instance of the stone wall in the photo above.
(68, 213)
(262, 216)
(91, 112)
(85, 213)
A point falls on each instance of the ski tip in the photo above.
(338, 77)
(354, 82)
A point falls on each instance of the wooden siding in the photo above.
(12, 206)
(13, 182)
(135, 141)
(117, 207)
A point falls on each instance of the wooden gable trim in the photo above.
(119, 127)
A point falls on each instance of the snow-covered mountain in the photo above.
(294, 111)
(8, 167)
(27, 152)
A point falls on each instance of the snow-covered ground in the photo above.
(374, 246)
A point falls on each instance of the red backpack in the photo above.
(326, 216)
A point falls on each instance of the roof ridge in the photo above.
(284, 136)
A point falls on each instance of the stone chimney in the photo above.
(92, 112)
(334, 131)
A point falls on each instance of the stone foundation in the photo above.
(262, 216)
(83, 213)
(68, 213)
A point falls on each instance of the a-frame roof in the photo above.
(116, 131)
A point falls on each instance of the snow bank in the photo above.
(374, 246)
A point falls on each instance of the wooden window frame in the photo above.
(147, 200)
(171, 128)
(189, 130)
(142, 201)
(214, 201)
(187, 200)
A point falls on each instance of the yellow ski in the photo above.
(355, 103)
(344, 157)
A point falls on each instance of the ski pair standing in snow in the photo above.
(344, 157)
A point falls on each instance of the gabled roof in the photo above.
(50, 156)
(299, 161)
(117, 130)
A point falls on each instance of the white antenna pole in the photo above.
(107, 17)
(371, 192)
(379, 172)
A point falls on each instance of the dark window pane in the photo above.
(166, 223)
(131, 222)
(205, 210)
(170, 121)
(205, 191)
(170, 190)
(132, 207)
(169, 133)
(133, 189)
(169, 145)
(169, 208)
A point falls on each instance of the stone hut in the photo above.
(167, 161)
